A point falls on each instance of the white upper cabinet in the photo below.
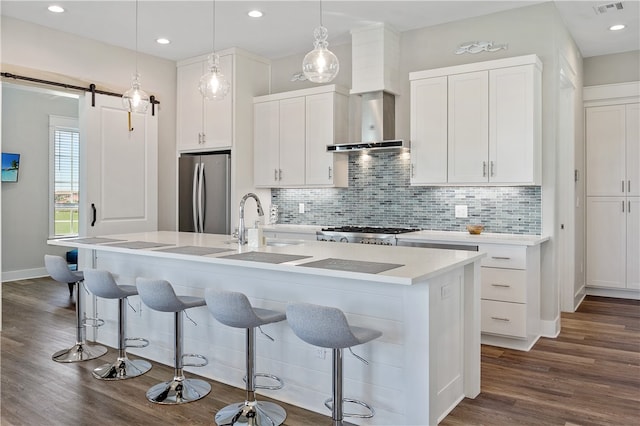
(429, 130)
(514, 125)
(468, 127)
(291, 134)
(482, 120)
(325, 125)
(203, 124)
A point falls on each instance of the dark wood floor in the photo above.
(589, 375)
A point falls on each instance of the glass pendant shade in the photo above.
(135, 99)
(320, 65)
(213, 85)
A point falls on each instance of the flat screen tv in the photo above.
(10, 165)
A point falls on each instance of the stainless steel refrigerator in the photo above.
(204, 193)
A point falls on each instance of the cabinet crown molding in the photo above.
(478, 66)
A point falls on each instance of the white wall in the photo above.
(609, 69)
(40, 52)
(25, 208)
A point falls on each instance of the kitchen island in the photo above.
(426, 302)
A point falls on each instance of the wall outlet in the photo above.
(301, 208)
(321, 353)
(461, 211)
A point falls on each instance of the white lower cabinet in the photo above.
(613, 246)
(510, 295)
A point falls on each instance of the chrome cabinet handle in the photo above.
(500, 257)
(275, 174)
(484, 169)
(279, 174)
(413, 170)
(329, 172)
(501, 319)
(491, 165)
(629, 209)
(629, 186)
(623, 206)
(622, 185)
(501, 285)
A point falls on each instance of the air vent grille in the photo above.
(609, 7)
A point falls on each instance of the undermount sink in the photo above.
(272, 243)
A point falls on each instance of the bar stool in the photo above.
(327, 327)
(102, 284)
(160, 296)
(58, 270)
(234, 310)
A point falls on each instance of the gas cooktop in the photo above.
(369, 230)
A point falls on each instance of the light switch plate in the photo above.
(461, 211)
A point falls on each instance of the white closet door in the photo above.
(632, 123)
(605, 146)
(606, 242)
(118, 168)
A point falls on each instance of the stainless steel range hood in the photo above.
(378, 125)
(375, 57)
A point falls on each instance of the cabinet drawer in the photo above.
(504, 256)
(505, 318)
(507, 285)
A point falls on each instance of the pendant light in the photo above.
(213, 85)
(136, 99)
(320, 65)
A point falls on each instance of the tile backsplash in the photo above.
(379, 194)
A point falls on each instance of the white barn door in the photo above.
(118, 168)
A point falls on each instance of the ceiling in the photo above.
(287, 26)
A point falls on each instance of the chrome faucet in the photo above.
(242, 239)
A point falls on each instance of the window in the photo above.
(64, 176)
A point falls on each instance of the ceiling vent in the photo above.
(609, 7)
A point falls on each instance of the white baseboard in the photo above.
(24, 274)
(550, 328)
(610, 292)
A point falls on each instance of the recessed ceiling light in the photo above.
(163, 40)
(55, 8)
(255, 14)
(617, 27)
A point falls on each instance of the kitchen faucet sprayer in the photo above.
(242, 239)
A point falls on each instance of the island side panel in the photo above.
(305, 370)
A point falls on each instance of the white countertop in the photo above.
(431, 236)
(466, 238)
(419, 263)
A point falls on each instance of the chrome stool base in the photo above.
(256, 413)
(79, 352)
(178, 391)
(121, 369)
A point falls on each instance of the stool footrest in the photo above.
(144, 342)
(92, 322)
(268, 376)
(204, 359)
(329, 404)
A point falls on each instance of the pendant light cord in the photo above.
(213, 47)
(136, 37)
(320, 12)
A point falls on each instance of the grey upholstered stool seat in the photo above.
(102, 284)
(160, 296)
(327, 327)
(234, 310)
(58, 269)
